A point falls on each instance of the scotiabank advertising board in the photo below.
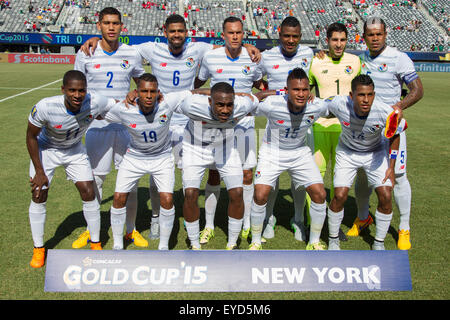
(41, 58)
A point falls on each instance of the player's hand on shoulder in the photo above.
(320, 54)
(253, 52)
(130, 99)
(90, 46)
(311, 98)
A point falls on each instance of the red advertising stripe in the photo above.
(41, 58)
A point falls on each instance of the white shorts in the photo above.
(197, 159)
(177, 132)
(74, 160)
(348, 162)
(132, 169)
(105, 145)
(299, 163)
(245, 143)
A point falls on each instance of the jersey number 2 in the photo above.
(110, 75)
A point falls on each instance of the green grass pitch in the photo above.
(428, 173)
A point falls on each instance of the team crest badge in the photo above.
(125, 64)
(33, 112)
(190, 62)
(246, 70)
(310, 119)
(304, 63)
(383, 67)
(163, 119)
(89, 118)
(348, 70)
(258, 174)
(374, 128)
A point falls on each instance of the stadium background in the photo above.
(420, 28)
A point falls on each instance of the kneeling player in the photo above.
(360, 146)
(284, 149)
(55, 128)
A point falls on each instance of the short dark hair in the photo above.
(147, 77)
(73, 75)
(107, 11)
(174, 18)
(362, 80)
(223, 87)
(297, 73)
(290, 22)
(336, 27)
(231, 19)
(374, 20)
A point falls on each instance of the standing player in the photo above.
(277, 63)
(331, 75)
(389, 69)
(109, 72)
(175, 64)
(363, 119)
(209, 142)
(233, 65)
(150, 152)
(56, 126)
(284, 149)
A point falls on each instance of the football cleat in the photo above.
(137, 239)
(316, 246)
(378, 245)
(96, 245)
(82, 240)
(245, 233)
(232, 247)
(206, 235)
(334, 244)
(255, 246)
(269, 230)
(38, 259)
(358, 226)
(195, 248)
(404, 242)
(299, 230)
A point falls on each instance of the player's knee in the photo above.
(86, 189)
(236, 194)
(119, 199)
(317, 193)
(166, 200)
(260, 196)
(248, 177)
(191, 195)
(384, 200)
(340, 195)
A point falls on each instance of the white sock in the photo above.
(166, 218)
(118, 216)
(193, 231)
(362, 195)
(234, 228)
(154, 197)
(382, 223)
(299, 197)
(212, 194)
(257, 216)
(248, 197)
(272, 199)
(402, 196)
(91, 212)
(132, 203)
(334, 222)
(318, 212)
(98, 187)
(37, 215)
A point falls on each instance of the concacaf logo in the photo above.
(190, 62)
(33, 112)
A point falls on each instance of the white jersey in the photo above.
(174, 73)
(277, 66)
(240, 73)
(285, 129)
(150, 134)
(109, 73)
(389, 70)
(203, 129)
(361, 134)
(62, 129)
